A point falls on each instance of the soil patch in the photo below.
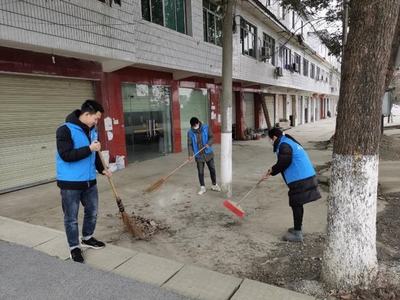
(388, 149)
(297, 266)
(149, 226)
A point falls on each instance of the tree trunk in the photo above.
(350, 255)
(394, 54)
(226, 135)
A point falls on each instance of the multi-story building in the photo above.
(153, 65)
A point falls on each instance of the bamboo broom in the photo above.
(132, 227)
(156, 185)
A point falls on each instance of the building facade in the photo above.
(153, 65)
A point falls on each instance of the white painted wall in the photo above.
(93, 30)
(250, 69)
(70, 25)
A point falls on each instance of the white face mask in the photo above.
(196, 126)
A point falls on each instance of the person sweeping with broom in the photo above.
(77, 159)
(299, 174)
(200, 136)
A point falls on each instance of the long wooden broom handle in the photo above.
(114, 189)
(183, 164)
(252, 189)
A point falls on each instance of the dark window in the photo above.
(286, 57)
(110, 2)
(248, 38)
(297, 62)
(293, 20)
(146, 11)
(305, 67)
(318, 73)
(168, 13)
(212, 23)
(269, 48)
(312, 75)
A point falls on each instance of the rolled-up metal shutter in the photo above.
(31, 109)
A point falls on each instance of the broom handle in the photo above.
(183, 164)
(252, 189)
(114, 189)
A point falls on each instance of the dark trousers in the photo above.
(71, 200)
(211, 167)
(298, 212)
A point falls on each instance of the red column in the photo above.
(100, 91)
(110, 95)
(176, 118)
(257, 110)
(240, 124)
(215, 95)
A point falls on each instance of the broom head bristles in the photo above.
(132, 227)
(233, 207)
(155, 186)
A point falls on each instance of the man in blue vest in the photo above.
(299, 174)
(77, 159)
(199, 136)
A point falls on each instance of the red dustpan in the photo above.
(234, 207)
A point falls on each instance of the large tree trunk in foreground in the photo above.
(350, 255)
(394, 54)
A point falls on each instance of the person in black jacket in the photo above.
(299, 174)
(77, 160)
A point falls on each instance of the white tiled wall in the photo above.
(94, 30)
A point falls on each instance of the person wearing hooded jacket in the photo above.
(77, 160)
(299, 175)
(199, 136)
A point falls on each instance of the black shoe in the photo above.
(93, 243)
(76, 255)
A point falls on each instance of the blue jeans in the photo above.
(70, 204)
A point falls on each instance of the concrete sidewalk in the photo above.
(173, 277)
(29, 274)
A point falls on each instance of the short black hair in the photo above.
(194, 121)
(275, 132)
(91, 107)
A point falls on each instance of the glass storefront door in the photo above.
(193, 103)
(147, 114)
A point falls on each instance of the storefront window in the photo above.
(147, 114)
(168, 13)
(193, 103)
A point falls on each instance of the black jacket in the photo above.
(302, 191)
(284, 157)
(65, 148)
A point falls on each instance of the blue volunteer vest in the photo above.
(204, 140)
(301, 166)
(84, 169)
